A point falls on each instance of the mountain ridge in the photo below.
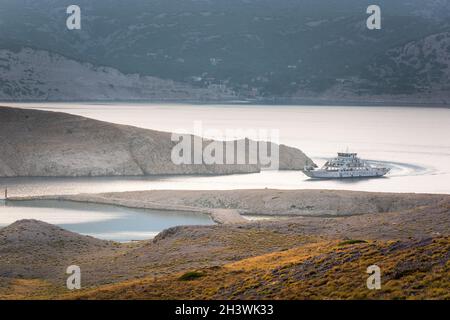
(240, 49)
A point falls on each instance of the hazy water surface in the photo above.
(100, 221)
(415, 142)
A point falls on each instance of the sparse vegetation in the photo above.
(315, 271)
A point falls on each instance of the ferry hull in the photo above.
(325, 174)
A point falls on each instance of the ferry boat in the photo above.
(345, 165)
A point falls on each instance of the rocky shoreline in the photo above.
(231, 206)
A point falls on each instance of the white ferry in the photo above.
(345, 165)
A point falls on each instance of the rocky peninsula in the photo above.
(36, 143)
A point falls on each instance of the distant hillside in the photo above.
(417, 72)
(284, 50)
(41, 143)
(39, 75)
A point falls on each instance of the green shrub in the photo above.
(191, 275)
(347, 242)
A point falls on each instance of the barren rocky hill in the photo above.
(34, 232)
(30, 246)
(41, 143)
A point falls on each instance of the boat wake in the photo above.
(402, 169)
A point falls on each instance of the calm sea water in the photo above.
(415, 142)
(100, 221)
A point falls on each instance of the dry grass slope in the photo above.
(416, 269)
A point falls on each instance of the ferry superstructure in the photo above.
(346, 165)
